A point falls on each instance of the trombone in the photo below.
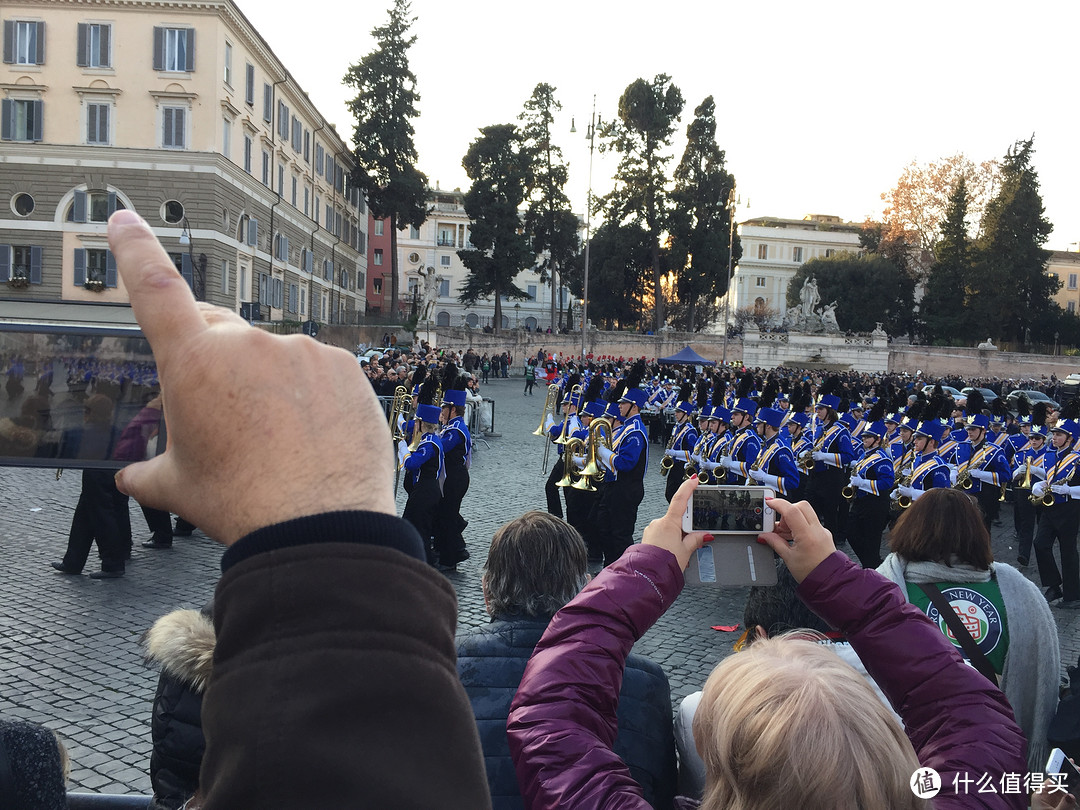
(400, 408)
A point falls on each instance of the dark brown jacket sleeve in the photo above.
(334, 680)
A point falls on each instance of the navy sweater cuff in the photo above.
(373, 528)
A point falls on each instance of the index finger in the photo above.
(160, 298)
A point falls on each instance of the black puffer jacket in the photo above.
(491, 661)
(182, 644)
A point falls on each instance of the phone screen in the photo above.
(83, 397)
(728, 510)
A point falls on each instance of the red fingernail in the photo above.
(761, 540)
(694, 477)
(768, 497)
(709, 538)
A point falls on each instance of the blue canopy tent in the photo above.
(687, 357)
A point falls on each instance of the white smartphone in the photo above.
(1059, 763)
(735, 516)
(729, 510)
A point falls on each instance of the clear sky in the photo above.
(819, 105)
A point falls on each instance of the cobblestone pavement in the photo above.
(69, 655)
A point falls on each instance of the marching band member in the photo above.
(832, 454)
(683, 440)
(581, 503)
(1060, 521)
(743, 450)
(424, 471)
(555, 430)
(627, 460)
(982, 463)
(801, 447)
(457, 459)
(1028, 464)
(928, 470)
(872, 480)
(775, 465)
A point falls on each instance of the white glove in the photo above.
(952, 477)
(401, 423)
(820, 456)
(549, 423)
(734, 466)
(709, 465)
(605, 454)
(1038, 489)
(907, 492)
(578, 462)
(982, 475)
(673, 453)
(1039, 471)
(402, 450)
(858, 482)
(771, 481)
(726, 461)
(1020, 471)
(758, 475)
(1060, 489)
(1074, 492)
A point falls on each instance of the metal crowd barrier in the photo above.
(106, 801)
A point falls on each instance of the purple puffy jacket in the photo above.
(562, 721)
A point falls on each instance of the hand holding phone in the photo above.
(735, 516)
(1058, 763)
(799, 538)
(669, 532)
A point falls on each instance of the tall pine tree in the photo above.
(648, 113)
(944, 306)
(386, 157)
(548, 218)
(499, 167)
(700, 217)
(1010, 291)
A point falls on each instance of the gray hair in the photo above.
(537, 563)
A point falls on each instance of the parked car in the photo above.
(1032, 397)
(952, 392)
(988, 395)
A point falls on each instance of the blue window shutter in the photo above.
(35, 264)
(39, 113)
(112, 203)
(40, 58)
(110, 269)
(82, 49)
(79, 207)
(190, 50)
(80, 266)
(185, 269)
(159, 48)
(5, 262)
(7, 118)
(9, 41)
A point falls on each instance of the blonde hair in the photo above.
(788, 723)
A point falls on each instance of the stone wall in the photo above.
(832, 352)
(939, 361)
(615, 344)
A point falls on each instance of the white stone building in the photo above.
(773, 249)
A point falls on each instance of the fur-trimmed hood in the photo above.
(182, 644)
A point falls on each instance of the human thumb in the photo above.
(151, 483)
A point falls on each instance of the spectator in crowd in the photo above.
(33, 767)
(941, 541)
(305, 681)
(537, 564)
(181, 643)
(780, 724)
(530, 378)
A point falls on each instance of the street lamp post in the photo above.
(731, 250)
(590, 133)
